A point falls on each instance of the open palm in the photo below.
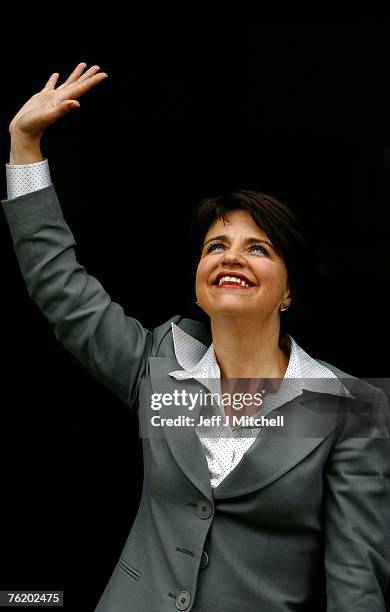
(49, 104)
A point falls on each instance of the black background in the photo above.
(192, 107)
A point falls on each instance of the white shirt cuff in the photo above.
(24, 178)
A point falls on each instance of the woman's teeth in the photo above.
(232, 279)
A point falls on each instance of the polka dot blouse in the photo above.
(23, 178)
(225, 446)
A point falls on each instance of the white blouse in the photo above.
(224, 445)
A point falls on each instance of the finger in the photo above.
(90, 72)
(74, 75)
(55, 112)
(72, 103)
(78, 89)
(68, 105)
(81, 78)
(51, 83)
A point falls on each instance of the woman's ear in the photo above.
(288, 293)
(286, 302)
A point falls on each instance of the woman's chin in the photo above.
(229, 308)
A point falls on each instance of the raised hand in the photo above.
(51, 103)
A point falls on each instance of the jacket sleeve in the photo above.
(111, 345)
(357, 516)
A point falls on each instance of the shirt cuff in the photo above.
(24, 178)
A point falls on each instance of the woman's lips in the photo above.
(232, 285)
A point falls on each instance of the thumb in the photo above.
(68, 105)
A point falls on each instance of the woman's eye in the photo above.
(212, 247)
(262, 249)
(219, 245)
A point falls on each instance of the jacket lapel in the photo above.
(308, 420)
(184, 443)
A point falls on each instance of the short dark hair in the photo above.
(286, 231)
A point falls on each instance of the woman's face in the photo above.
(240, 250)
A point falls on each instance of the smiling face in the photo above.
(239, 272)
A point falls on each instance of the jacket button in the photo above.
(204, 509)
(183, 600)
(204, 561)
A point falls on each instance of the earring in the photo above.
(285, 305)
(197, 303)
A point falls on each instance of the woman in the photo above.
(232, 516)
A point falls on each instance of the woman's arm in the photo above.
(111, 345)
(357, 518)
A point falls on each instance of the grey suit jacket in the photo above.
(301, 523)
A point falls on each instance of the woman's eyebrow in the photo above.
(256, 240)
(250, 240)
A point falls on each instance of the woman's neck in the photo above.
(248, 349)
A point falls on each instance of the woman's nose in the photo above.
(232, 256)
